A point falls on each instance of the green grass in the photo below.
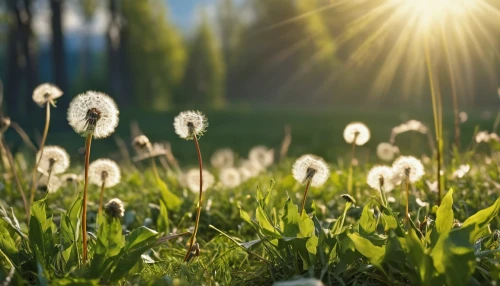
(354, 260)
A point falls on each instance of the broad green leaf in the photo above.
(244, 216)
(41, 231)
(481, 220)
(290, 219)
(312, 245)
(171, 201)
(7, 243)
(163, 224)
(375, 254)
(419, 259)
(306, 226)
(264, 222)
(453, 256)
(389, 222)
(137, 243)
(367, 222)
(444, 215)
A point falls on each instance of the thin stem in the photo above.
(42, 145)
(101, 198)
(436, 113)
(48, 179)
(305, 196)
(407, 198)
(353, 154)
(155, 169)
(16, 177)
(200, 200)
(346, 208)
(88, 142)
(382, 196)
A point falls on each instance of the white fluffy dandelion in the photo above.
(230, 177)
(114, 208)
(46, 92)
(311, 167)
(192, 180)
(54, 159)
(408, 166)
(263, 155)
(356, 131)
(93, 113)
(70, 178)
(189, 124)
(482, 136)
(380, 178)
(253, 168)
(104, 171)
(222, 158)
(141, 144)
(387, 151)
(245, 174)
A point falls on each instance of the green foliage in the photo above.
(156, 52)
(204, 80)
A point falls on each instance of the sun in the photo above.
(431, 12)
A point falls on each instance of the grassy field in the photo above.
(253, 234)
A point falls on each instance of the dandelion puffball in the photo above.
(114, 208)
(70, 178)
(253, 168)
(356, 131)
(46, 92)
(380, 178)
(222, 158)
(387, 151)
(189, 124)
(192, 180)
(311, 167)
(230, 177)
(408, 166)
(93, 113)
(50, 186)
(104, 171)
(54, 159)
(262, 155)
(141, 144)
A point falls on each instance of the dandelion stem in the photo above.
(353, 154)
(101, 198)
(346, 208)
(16, 177)
(436, 104)
(48, 179)
(200, 200)
(42, 145)
(407, 198)
(155, 169)
(88, 142)
(305, 196)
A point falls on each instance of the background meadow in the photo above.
(287, 75)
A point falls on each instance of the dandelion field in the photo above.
(251, 230)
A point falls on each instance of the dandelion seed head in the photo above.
(230, 177)
(482, 136)
(104, 171)
(70, 178)
(254, 168)
(380, 178)
(420, 202)
(222, 158)
(192, 180)
(93, 113)
(391, 199)
(311, 167)
(49, 186)
(245, 174)
(141, 144)
(46, 92)
(463, 116)
(114, 208)
(54, 159)
(387, 151)
(356, 131)
(155, 150)
(262, 155)
(408, 166)
(190, 123)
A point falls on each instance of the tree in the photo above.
(58, 51)
(88, 8)
(204, 78)
(156, 52)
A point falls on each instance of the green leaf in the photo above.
(444, 214)
(481, 220)
(137, 243)
(367, 222)
(41, 232)
(419, 259)
(453, 256)
(290, 219)
(163, 223)
(264, 223)
(171, 201)
(306, 226)
(7, 243)
(375, 254)
(245, 216)
(312, 245)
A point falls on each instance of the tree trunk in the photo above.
(58, 55)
